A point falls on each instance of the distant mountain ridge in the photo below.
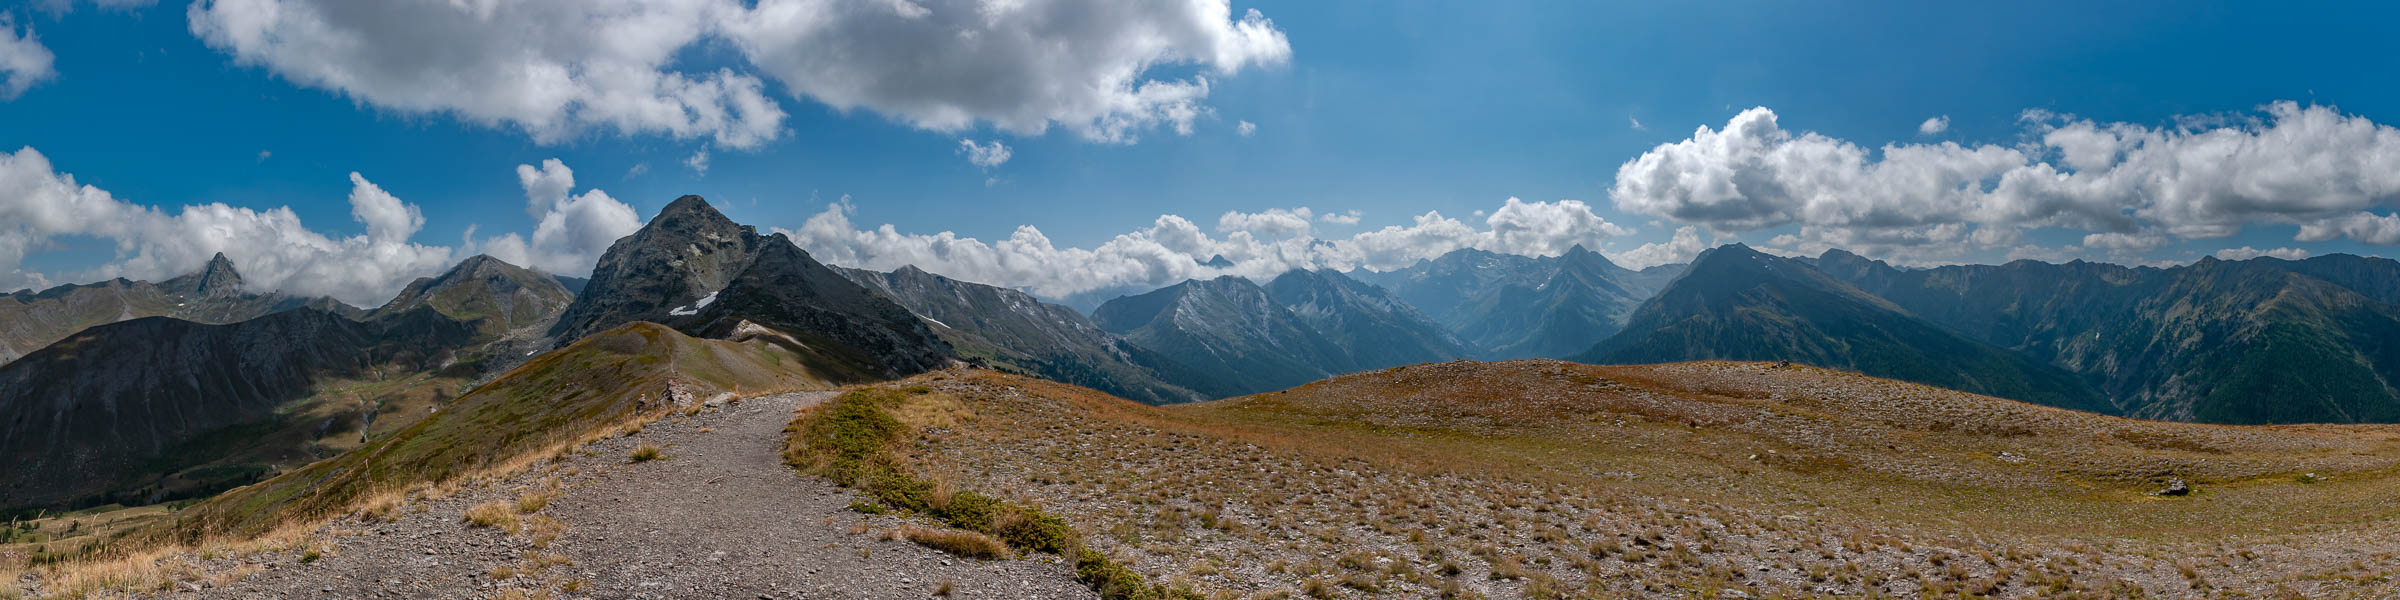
(1228, 329)
(1510, 306)
(1012, 330)
(494, 294)
(30, 320)
(2254, 341)
(1368, 323)
(1735, 303)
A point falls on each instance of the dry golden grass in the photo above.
(1548, 479)
(646, 452)
(496, 514)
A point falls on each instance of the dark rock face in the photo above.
(495, 295)
(1374, 327)
(95, 416)
(1009, 329)
(1228, 329)
(1739, 304)
(693, 269)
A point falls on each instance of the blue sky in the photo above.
(1389, 109)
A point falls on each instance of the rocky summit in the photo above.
(695, 270)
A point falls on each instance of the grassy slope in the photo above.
(588, 388)
(1542, 477)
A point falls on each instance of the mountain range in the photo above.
(1735, 303)
(139, 391)
(2263, 340)
(30, 320)
(1011, 330)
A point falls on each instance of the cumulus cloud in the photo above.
(1347, 217)
(570, 232)
(24, 61)
(552, 68)
(272, 248)
(1934, 125)
(1260, 245)
(2132, 187)
(2247, 253)
(1022, 66)
(1680, 248)
(984, 155)
(1246, 128)
(558, 68)
(1272, 223)
(698, 163)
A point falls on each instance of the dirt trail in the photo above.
(720, 517)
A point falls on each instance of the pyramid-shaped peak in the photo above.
(219, 277)
(1581, 254)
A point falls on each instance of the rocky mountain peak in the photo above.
(218, 278)
(686, 252)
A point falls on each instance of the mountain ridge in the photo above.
(1735, 303)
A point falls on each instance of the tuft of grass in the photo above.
(958, 541)
(534, 500)
(496, 514)
(647, 452)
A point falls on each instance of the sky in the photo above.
(1086, 148)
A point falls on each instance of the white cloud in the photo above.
(1636, 124)
(2135, 187)
(272, 248)
(1548, 228)
(388, 220)
(1021, 65)
(571, 232)
(1261, 245)
(1676, 250)
(24, 62)
(984, 155)
(1934, 125)
(698, 163)
(1272, 223)
(2247, 253)
(1347, 217)
(1246, 128)
(552, 68)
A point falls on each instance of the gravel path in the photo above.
(720, 516)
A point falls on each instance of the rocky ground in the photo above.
(716, 515)
(1536, 479)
